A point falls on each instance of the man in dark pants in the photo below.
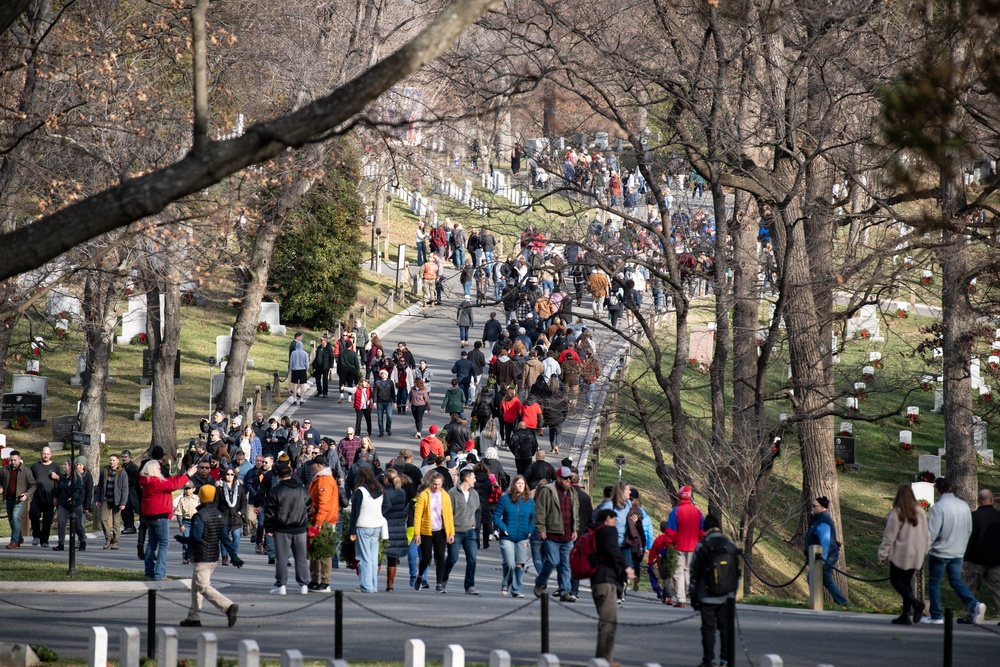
(204, 538)
(611, 572)
(523, 446)
(322, 365)
(132, 506)
(982, 555)
(46, 474)
(286, 518)
(714, 613)
(586, 513)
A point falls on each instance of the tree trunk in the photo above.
(103, 289)
(163, 349)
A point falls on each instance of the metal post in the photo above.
(150, 621)
(338, 625)
(948, 629)
(545, 623)
(730, 647)
(211, 369)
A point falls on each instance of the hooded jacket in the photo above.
(324, 497)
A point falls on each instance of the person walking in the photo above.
(420, 403)
(322, 367)
(17, 485)
(434, 529)
(823, 532)
(132, 507)
(366, 526)
(523, 445)
(324, 510)
(231, 497)
(46, 475)
(348, 370)
(611, 574)
(685, 528)
(514, 518)
(298, 366)
(112, 496)
(68, 499)
(156, 510)
(204, 540)
(385, 397)
(286, 517)
(557, 515)
(982, 555)
(466, 510)
(715, 573)
(465, 319)
(950, 525)
(394, 509)
(905, 543)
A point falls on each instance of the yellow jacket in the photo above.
(422, 514)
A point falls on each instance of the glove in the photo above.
(183, 539)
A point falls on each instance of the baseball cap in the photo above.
(565, 472)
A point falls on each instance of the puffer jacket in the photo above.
(325, 498)
(286, 509)
(395, 509)
(514, 520)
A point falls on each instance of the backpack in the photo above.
(495, 494)
(583, 560)
(721, 568)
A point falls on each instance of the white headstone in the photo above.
(929, 463)
(133, 324)
(222, 346)
(32, 366)
(906, 437)
(868, 370)
(979, 429)
(851, 403)
(145, 401)
(924, 490)
(938, 399)
(846, 427)
(29, 384)
(270, 312)
(975, 378)
(59, 302)
(217, 381)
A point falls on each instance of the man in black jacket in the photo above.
(385, 395)
(611, 572)
(286, 517)
(492, 330)
(523, 445)
(539, 470)
(204, 538)
(322, 365)
(982, 555)
(712, 605)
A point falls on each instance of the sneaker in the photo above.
(424, 584)
(568, 597)
(503, 590)
(278, 590)
(417, 584)
(58, 547)
(322, 588)
(186, 561)
(44, 545)
(440, 588)
(927, 620)
(188, 623)
(313, 586)
(35, 542)
(517, 595)
(471, 591)
(304, 590)
(231, 614)
(83, 547)
(902, 620)
(979, 615)
(417, 435)
(539, 590)
(271, 561)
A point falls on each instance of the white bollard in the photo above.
(499, 658)
(249, 655)
(290, 657)
(166, 647)
(208, 649)
(652, 664)
(454, 656)
(771, 660)
(97, 647)
(548, 660)
(415, 653)
(597, 662)
(128, 648)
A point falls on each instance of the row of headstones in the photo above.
(134, 319)
(499, 184)
(415, 652)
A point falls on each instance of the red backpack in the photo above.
(583, 560)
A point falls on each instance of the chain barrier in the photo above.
(851, 576)
(990, 630)
(767, 583)
(743, 640)
(428, 626)
(623, 624)
(74, 611)
(186, 605)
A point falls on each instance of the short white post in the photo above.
(166, 647)
(97, 647)
(249, 655)
(290, 657)
(336, 663)
(499, 658)
(415, 653)
(208, 649)
(454, 655)
(816, 577)
(548, 660)
(128, 648)
(597, 662)
(771, 660)
(652, 664)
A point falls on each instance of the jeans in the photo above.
(231, 543)
(156, 548)
(831, 585)
(412, 558)
(466, 387)
(515, 555)
(421, 253)
(467, 288)
(463, 333)
(186, 548)
(401, 394)
(556, 558)
(498, 287)
(14, 512)
(490, 258)
(936, 568)
(459, 257)
(537, 553)
(467, 540)
(547, 284)
(384, 417)
(590, 393)
(367, 549)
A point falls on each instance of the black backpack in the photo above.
(721, 568)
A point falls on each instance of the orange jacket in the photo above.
(325, 498)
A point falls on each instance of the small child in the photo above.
(187, 507)
(660, 566)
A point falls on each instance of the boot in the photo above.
(390, 577)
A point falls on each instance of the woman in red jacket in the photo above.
(157, 509)
(363, 406)
(510, 413)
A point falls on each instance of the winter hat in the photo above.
(824, 501)
(206, 493)
(470, 445)
(156, 454)
(684, 493)
(633, 493)
(238, 420)
(434, 429)
(320, 461)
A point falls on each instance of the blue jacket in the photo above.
(515, 521)
(824, 533)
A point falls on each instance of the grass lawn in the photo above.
(37, 569)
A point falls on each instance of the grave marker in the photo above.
(844, 448)
(61, 302)
(17, 405)
(975, 377)
(147, 367)
(270, 312)
(222, 346)
(145, 401)
(906, 437)
(62, 428)
(702, 345)
(923, 491)
(929, 463)
(938, 399)
(30, 384)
